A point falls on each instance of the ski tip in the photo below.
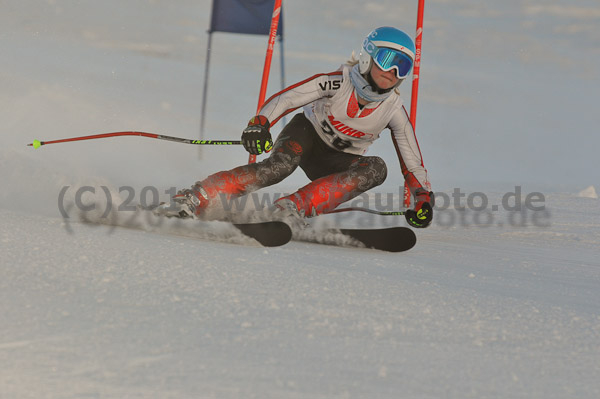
(392, 239)
(268, 234)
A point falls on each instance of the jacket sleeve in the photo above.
(408, 151)
(300, 94)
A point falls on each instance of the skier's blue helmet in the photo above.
(389, 48)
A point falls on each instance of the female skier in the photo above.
(344, 112)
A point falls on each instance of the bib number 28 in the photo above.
(337, 142)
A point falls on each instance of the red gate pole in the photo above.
(268, 57)
(415, 83)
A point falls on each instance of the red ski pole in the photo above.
(268, 57)
(415, 83)
(38, 143)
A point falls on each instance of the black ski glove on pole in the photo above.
(256, 138)
(422, 215)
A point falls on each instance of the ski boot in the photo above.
(286, 210)
(187, 203)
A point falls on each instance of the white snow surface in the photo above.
(588, 192)
(495, 303)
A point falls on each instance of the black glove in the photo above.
(422, 215)
(256, 138)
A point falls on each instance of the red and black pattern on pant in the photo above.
(328, 192)
(223, 186)
(319, 196)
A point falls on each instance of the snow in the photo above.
(500, 302)
(588, 192)
(478, 312)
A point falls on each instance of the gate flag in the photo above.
(240, 16)
(243, 16)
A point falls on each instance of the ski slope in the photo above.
(129, 313)
(490, 303)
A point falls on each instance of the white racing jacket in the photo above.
(330, 103)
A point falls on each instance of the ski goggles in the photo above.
(387, 58)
